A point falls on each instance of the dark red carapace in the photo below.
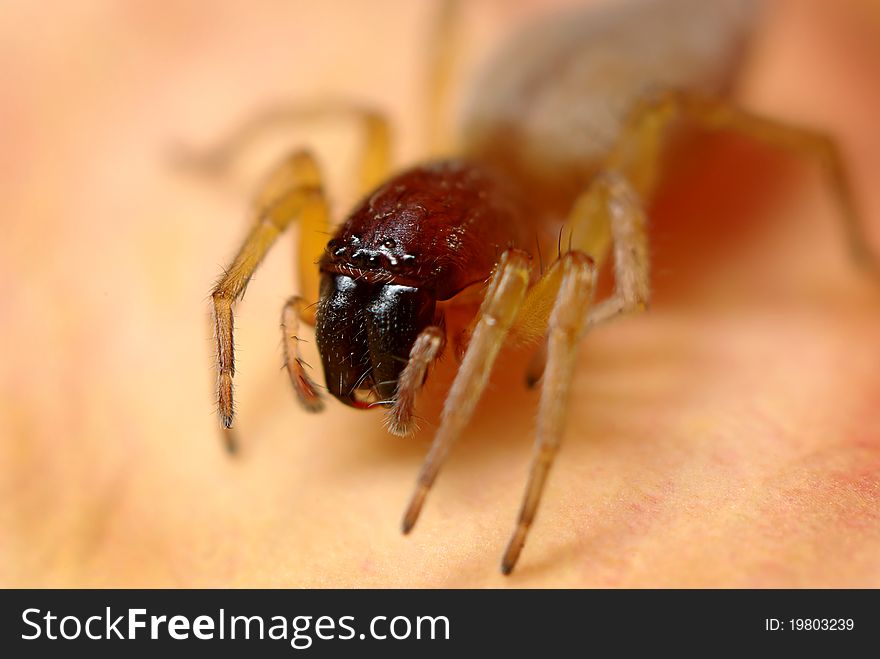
(419, 239)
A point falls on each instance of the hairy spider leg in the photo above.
(506, 293)
(292, 191)
(428, 346)
(303, 386)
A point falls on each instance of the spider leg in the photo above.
(305, 389)
(637, 153)
(500, 307)
(292, 190)
(632, 276)
(574, 278)
(428, 346)
(444, 46)
(569, 285)
(374, 161)
(608, 214)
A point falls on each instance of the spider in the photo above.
(560, 151)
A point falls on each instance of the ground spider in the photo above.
(567, 125)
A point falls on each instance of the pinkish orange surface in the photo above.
(730, 437)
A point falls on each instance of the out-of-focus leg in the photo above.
(632, 275)
(374, 161)
(442, 50)
(637, 153)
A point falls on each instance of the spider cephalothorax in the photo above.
(419, 239)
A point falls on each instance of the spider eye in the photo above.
(389, 243)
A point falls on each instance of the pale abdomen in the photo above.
(551, 104)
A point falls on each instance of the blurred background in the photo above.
(729, 437)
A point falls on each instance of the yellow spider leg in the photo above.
(637, 152)
(443, 49)
(497, 313)
(292, 190)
